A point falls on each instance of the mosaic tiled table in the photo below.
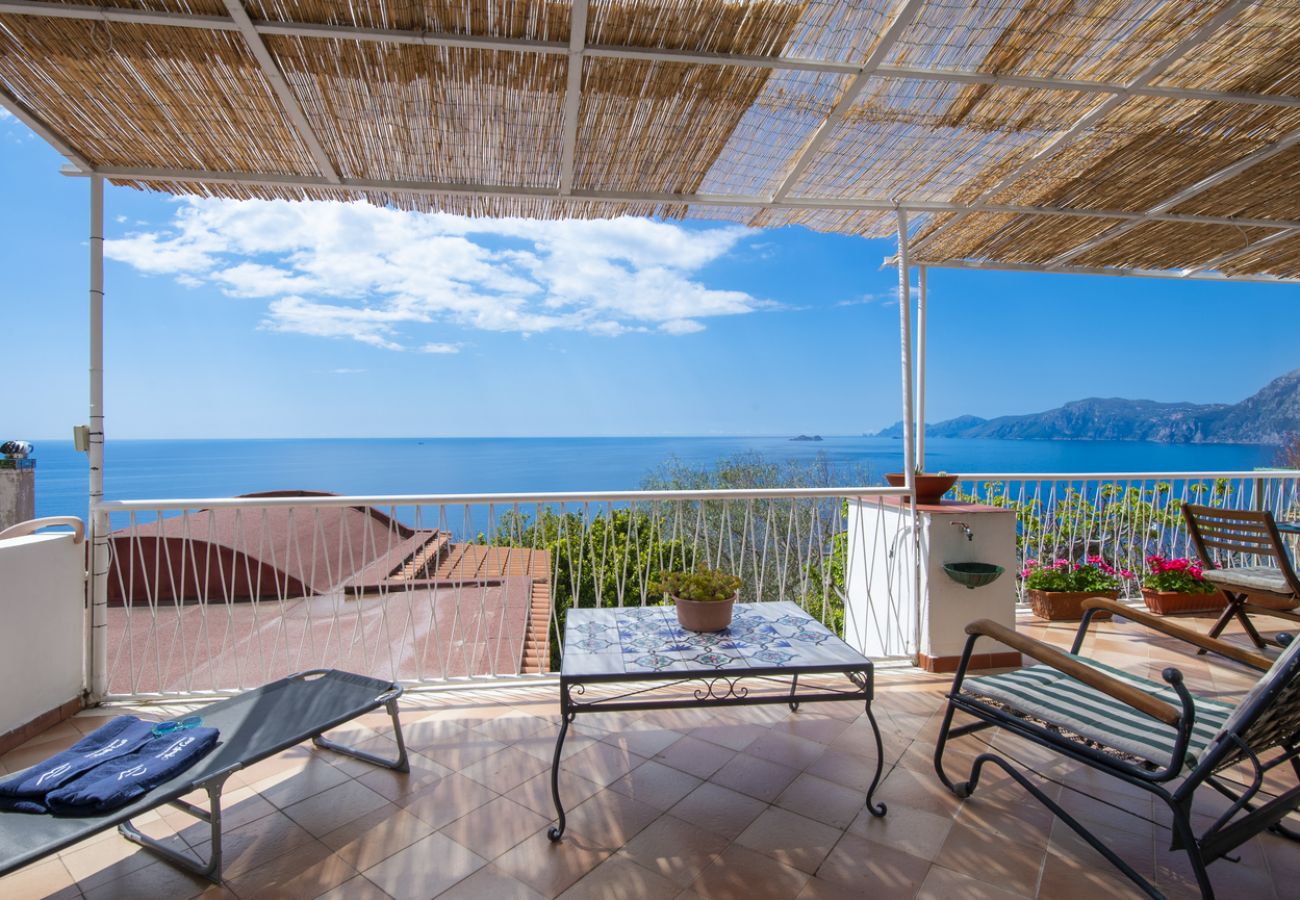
(758, 659)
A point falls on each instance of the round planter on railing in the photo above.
(929, 488)
(1066, 605)
(1164, 603)
(704, 615)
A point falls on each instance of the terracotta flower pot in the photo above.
(929, 488)
(1066, 605)
(1164, 603)
(704, 615)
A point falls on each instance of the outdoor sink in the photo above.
(973, 574)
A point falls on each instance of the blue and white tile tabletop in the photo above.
(644, 640)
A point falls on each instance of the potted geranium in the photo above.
(704, 597)
(1177, 585)
(1057, 589)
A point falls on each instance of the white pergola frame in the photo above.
(576, 50)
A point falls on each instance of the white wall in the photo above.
(42, 625)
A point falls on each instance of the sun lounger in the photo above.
(253, 726)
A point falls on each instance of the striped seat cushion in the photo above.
(1043, 693)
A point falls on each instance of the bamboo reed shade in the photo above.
(127, 95)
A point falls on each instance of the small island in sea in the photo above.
(805, 437)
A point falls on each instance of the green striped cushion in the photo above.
(1044, 693)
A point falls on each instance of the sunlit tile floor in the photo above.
(751, 802)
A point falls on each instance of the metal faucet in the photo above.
(970, 535)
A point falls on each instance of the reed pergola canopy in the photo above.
(1121, 136)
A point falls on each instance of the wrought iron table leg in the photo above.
(876, 809)
(794, 686)
(556, 831)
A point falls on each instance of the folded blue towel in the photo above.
(26, 791)
(118, 782)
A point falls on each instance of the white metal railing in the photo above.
(223, 594)
(1123, 516)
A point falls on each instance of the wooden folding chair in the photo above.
(1244, 556)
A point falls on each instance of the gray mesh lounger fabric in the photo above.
(254, 725)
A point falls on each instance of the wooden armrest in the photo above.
(1155, 623)
(1049, 655)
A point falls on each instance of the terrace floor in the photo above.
(752, 802)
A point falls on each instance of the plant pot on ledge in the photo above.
(929, 488)
(1065, 606)
(704, 615)
(1165, 603)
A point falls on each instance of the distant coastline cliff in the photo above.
(1268, 417)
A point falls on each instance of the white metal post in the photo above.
(905, 329)
(920, 369)
(97, 645)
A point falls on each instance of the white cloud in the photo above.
(346, 371)
(381, 276)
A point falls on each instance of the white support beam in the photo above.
(288, 99)
(1182, 196)
(32, 121)
(920, 367)
(97, 646)
(905, 335)
(877, 204)
(901, 20)
(1033, 82)
(1217, 263)
(573, 93)
(1178, 274)
(1085, 123)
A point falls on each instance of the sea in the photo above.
(158, 469)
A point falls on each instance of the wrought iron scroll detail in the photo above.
(710, 690)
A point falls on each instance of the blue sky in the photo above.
(230, 320)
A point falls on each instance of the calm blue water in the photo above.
(137, 470)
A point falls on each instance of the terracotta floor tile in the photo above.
(307, 871)
(535, 793)
(620, 878)
(743, 874)
(734, 736)
(1076, 877)
(851, 769)
(542, 745)
(551, 867)
(47, 878)
(258, 843)
(719, 810)
(425, 869)
(611, 818)
(945, 884)
(103, 861)
(913, 831)
(447, 800)
(992, 858)
(675, 849)
(822, 800)
(238, 807)
(656, 784)
(790, 839)
(512, 726)
(695, 757)
(494, 827)
(335, 807)
(759, 778)
(811, 725)
(394, 785)
(505, 769)
(645, 741)
(907, 788)
(786, 749)
(601, 763)
(159, 879)
(462, 750)
(490, 883)
(291, 785)
(856, 862)
(372, 838)
(357, 888)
